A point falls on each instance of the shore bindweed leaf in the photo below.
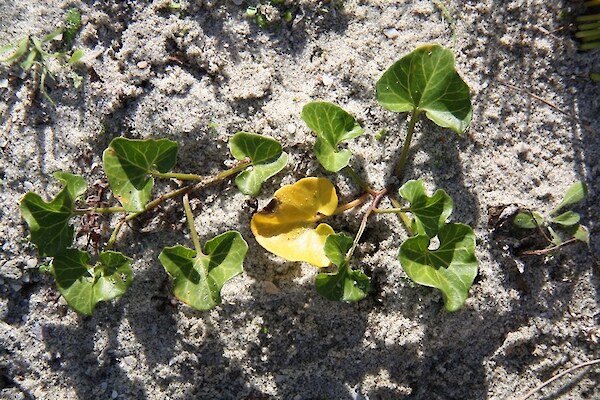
(332, 125)
(266, 156)
(345, 284)
(199, 278)
(451, 268)
(49, 222)
(129, 164)
(430, 213)
(83, 285)
(426, 80)
(286, 226)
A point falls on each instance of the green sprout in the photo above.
(33, 55)
(558, 228)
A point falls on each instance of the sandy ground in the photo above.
(200, 75)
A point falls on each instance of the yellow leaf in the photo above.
(286, 226)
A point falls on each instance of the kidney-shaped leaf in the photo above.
(451, 268)
(345, 284)
(332, 125)
(425, 80)
(129, 163)
(430, 213)
(198, 278)
(286, 226)
(266, 156)
(49, 222)
(83, 285)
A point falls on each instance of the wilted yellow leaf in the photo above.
(286, 226)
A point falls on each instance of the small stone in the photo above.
(28, 186)
(142, 64)
(114, 394)
(391, 33)
(291, 128)
(31, 263)
(238, 2)
(103, 387)
(522, 148)
(270, 288)
(327, 80)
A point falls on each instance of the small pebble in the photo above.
(238, 2)
(28, 186)
(142, 65)
(270, 288)
(114, 394)
(3, 83)
(327, 80)
(391, 33)
(291, 128)
(522, 148)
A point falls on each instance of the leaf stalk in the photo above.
(399, 170)
(190, 220)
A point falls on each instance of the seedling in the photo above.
(588, 32)
(33, 56)
(131, 167)
(270, 13)
(424, 81)
(557, 228)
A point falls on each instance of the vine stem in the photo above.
(354, 203)
(363, 224)
(176, 193)
(98, 210)
(399, 170)
(176, 175)
(560, 375)
(190, 219)
(390, 210)
(406, 221)
(359, 180)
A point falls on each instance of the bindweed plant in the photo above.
(438, 253)
(423, 82)
(131, 167)
(33, 56)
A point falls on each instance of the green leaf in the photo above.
(582, 234)
(129, 163)
(49, 222)
(20, 48)
(568, 218)
(345, 284)
(198, 278)
(72, 25)
(528, 220)
(451, 268)
(425, 80)
(332, 125)
(83, 286)
(574, 194)
(556, 239)
(430, 213)
(266, 156)
(76, 56)
(28, 62)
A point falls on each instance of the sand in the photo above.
(199, 75)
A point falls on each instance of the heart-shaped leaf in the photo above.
(198, 278)
(345, 284)
(129, 164)
(266, 156)
(430, 213)
(425, 80)
(49, 222)
(574, 194)
(286, 226)
(451, 268)
(332, 125)
(83, 286)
